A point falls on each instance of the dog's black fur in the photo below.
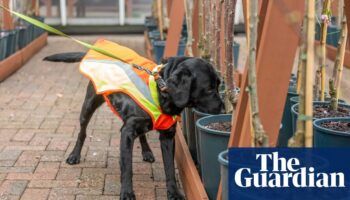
(191, 82)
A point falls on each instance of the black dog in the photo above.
(191, 82)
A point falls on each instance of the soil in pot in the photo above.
(220, 126)
(324, 111)
(337, 126)
(332, 132)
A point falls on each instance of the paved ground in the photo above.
(39, 112)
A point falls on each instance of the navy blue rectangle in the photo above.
(289, 173)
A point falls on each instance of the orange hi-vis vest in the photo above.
(109, 75)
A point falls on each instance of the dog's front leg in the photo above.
(167, 143)
(128, 135)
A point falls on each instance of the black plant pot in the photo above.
(315, 103)
(325, 137)
(223, 160)
(212, 142)
(198, 115)
(3, 45)
(286, 130)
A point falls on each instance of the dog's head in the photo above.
(193, 82)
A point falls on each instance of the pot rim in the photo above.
(216, 132)
(221, 157)
(200, 113)
(317, 125)
(318, 103)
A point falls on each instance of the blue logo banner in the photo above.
(289, 173)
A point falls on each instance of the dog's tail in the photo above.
(71, 57)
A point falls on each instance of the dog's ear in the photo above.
(179, 86)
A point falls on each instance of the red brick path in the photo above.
(39, 112)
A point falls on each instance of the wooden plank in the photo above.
(7, 23)
(332, 52)
(272, 89)
(48, 5)
(174, 33)
(190, 179)
(17, 60)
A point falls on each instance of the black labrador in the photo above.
(191, 82)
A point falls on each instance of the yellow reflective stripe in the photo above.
(153, 88)
(131, 88)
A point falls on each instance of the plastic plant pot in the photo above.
(11, 46)
(295, 113)
(211, 143)
(190, 133)
(3, 45)
(183, 123)
(286, 131)
(159, 47)
(325, 137)
(23, 36)
(235, 51)
(196, 116)
(223, 160)
(295, 100)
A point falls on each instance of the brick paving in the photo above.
(39, 112)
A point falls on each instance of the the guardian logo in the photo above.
(285, 173)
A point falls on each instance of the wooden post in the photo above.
(48, 5)
(168, 6)
(272, 89)
(8, 23)
(70, 8)
(177, 14)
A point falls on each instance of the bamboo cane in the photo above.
(321, 72)
(160, 18)
(303, 135)
(189, 12)
(339, 62)
(261, 139)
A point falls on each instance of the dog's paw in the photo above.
(127, 196)
(148, 156)
(175, 196)
(73, 159)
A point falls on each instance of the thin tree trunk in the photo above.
(321, 72)
(212, 32)
(200, 28)
(338, 64)
(160, 18)
(217, 33)
(189, 12)
(206, 35)
(261, 139)
(303, 135)
(230, 85)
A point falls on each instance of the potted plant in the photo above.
(321, 110)
(214, 132)
(3, 45)
(223, 160)
(332, 132)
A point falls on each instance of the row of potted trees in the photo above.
(23, 34)
(158, 43)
